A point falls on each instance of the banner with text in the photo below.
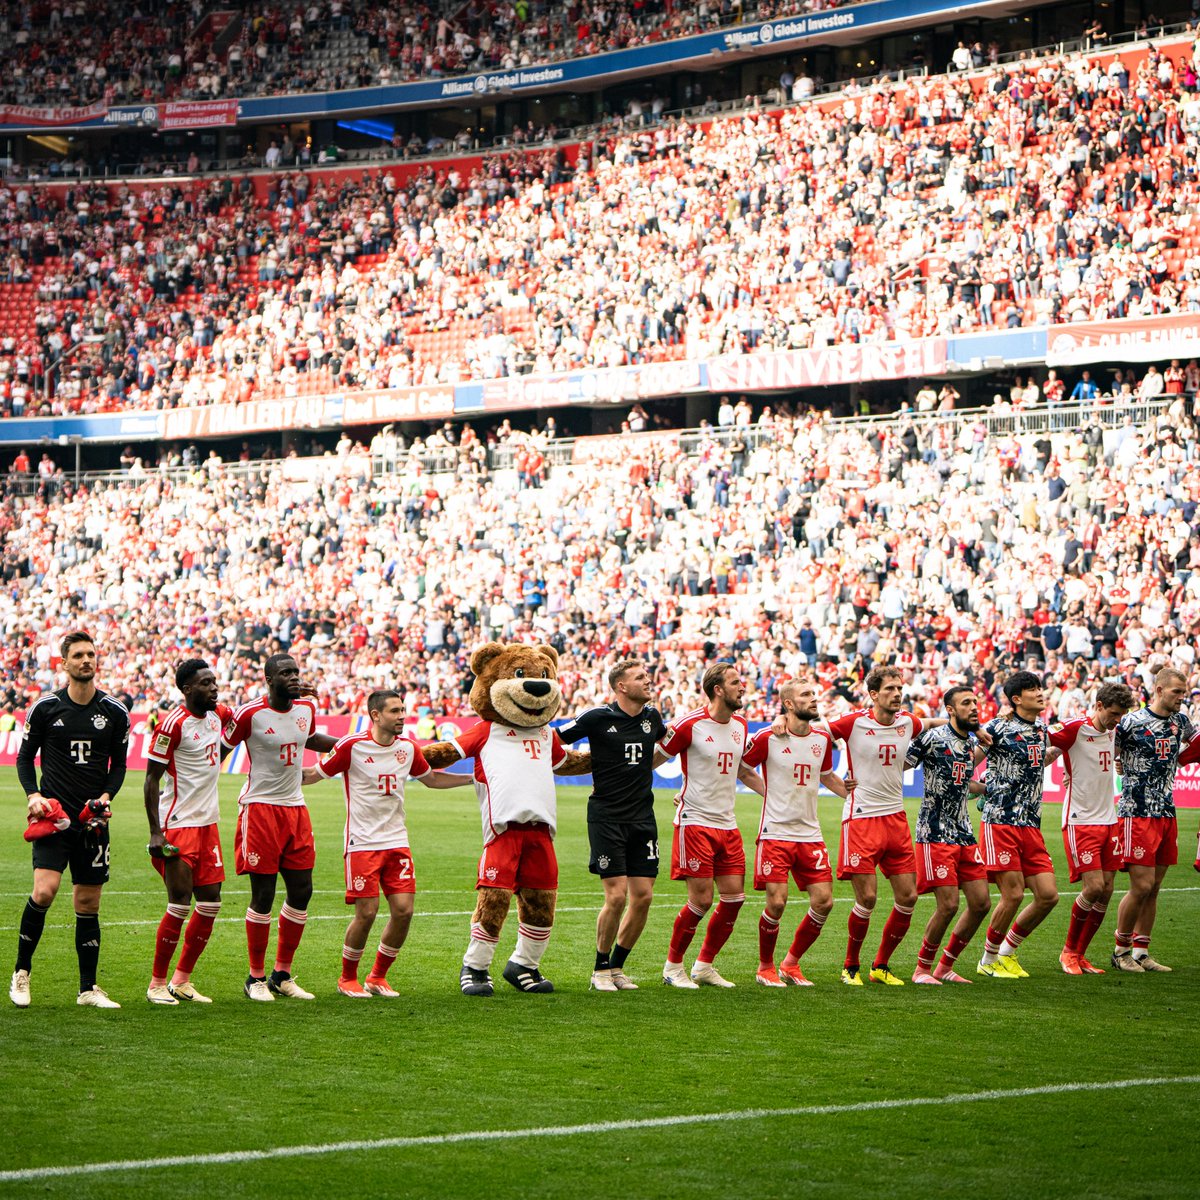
(1139, 339)
(860, 363)
(197, 114)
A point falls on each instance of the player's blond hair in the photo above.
(1169, 675)
(621, 669)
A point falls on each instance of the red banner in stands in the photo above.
(228, 420)
(197, 114)
(859, 363)
(1139, 339)
(397, 404)
(628, 445)
(605, 385)
(22, 114)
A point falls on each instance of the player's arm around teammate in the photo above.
(82, 736)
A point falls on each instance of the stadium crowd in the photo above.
(69, 53)
(1048, 191)
(824, 545)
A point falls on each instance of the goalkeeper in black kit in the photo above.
(622, 832)
(82, 736)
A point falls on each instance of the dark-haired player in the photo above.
(1013, 848)
(82, 735)
(1149, 744)
(875, 830)
(622, 831)
(274, 832)
(1089, 817)
(180, 792)
(949, 859)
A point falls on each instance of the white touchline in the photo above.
(558, 1131)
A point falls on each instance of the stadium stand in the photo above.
(1048, 191)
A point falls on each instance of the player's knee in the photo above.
(947, 906)
(43, 896)
(1047, 900)
(774, 909)
(368, 909)
(822, 907)
(907, 898)
(299, 895)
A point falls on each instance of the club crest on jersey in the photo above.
(252, 859)
(100, 721)
(1086, 856)
(941, 871)
(767, 868)
(302, 724)
(693, 864)
(646, 726)
(855, 859)
(603, 861)
(490, 874)
(359, 883)
(1139, 852)
(1004, 857)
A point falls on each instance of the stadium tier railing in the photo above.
(998, 422)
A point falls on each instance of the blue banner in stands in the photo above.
(103, 427)
(742, 41)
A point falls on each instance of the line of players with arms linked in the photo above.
(81, 735)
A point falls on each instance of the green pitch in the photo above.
(84, 1086)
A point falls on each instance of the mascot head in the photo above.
(516, 685)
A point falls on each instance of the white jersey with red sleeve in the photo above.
(710, 753)
(792, 767)
(514, 774)
(1088, 757)
(373, 778)
(274, 749)
(190, 748)
(875, 759)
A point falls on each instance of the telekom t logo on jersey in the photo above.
(1106, 761)
(887, 753)
(959, 772)
(533, 749)
(801, 773)
(724, 761)
(287, 754)
(1162, 747)
(387, 784)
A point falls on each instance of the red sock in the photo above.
(954, 947)
(1141, 941)
(199, 930)
(768, 936)
(258, 934)
(685, 929)
(1081, 913)
(1124, 940)
(351, 956)
(291, 930)
(1095, 920)
(384, 957)
(167, 938)
(720, 926)
(859, 923)
(807, 932)
(926, 954)
(894, 929)
(992, 940)
(1016, 935)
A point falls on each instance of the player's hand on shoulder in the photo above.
(984, 738)
(779, 727)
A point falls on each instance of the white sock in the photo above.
(480, 950)
(531, 944)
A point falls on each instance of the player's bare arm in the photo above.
(660, 757)
(322, 743)
(439, 780)
(151, 794)
(752, 779)
(311, 775)
(837, 785)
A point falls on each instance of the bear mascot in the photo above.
(516, 696)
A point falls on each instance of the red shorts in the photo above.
(1092, 848)
(370, 871)
(944, 864)
(199, 847)
(520, 857)
(876, 843)
(273, 837)
(701, 852)
(806, 862)
(1015, 848)
(1149, 841)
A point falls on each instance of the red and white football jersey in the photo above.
(710, 753)
(1088, 760)
(875, 758)
(514, 774)
(792, 767)
(373, 778)
(274, 749)
(190, 748)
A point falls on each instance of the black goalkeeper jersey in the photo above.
(83, 748)
(622, 761)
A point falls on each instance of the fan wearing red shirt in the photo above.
(875, 830)
(707, 848)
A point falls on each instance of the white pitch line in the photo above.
(30, 1174)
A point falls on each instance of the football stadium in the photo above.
(511, 503)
